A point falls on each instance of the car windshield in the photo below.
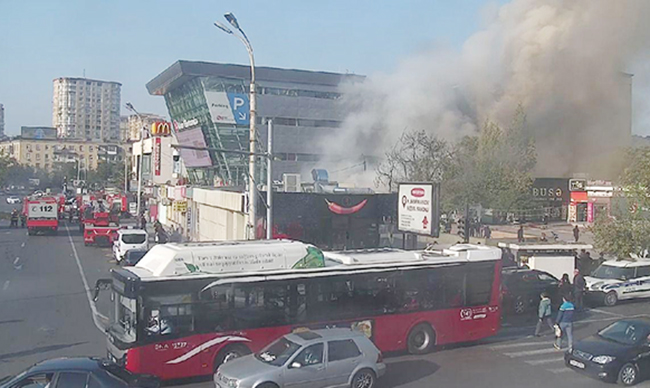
(606, 271)
(278, 352)
(134, 238)
(626, 332)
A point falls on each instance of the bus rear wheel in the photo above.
(229, 353)
(421, 339)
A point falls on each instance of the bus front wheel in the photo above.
(421, 339)
(229, 353)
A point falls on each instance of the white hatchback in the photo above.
(129, 239)
(618, 280)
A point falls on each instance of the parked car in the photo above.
(78, 373)
(521, 288)
(131, 257)
(617, 280)
(620, 352)
(332, 357)
(129, 239)
(13, 199)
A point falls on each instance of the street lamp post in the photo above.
(252, 187)
(130, 107)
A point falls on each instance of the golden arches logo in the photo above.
(160, 128)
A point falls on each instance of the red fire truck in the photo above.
(98, 226)
(42, 214)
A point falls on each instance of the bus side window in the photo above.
(479, 281)
(453, 279)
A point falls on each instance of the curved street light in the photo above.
(252, 187)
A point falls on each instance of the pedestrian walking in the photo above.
(576, 233)
(565, 287)
(544, 314)
(143, 222)
(520, 234)
(564, 322)
(508, 258)
(579, 286)
(488, 232)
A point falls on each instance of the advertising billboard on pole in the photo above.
(418, 208)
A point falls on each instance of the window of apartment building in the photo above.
(47, 156)
(29, 156)
(90, 148)
(38, 165)
(38, 147)
(38, 156)
(81, 148)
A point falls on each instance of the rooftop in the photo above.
(183, 71)
(86, 79)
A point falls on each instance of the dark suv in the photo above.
(522, 287)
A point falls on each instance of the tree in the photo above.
(491, 169)
(107, 173)
(628, 230)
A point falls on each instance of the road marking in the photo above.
(93, 308)
(532, 352)
(5, 286)
(22, 245)
(606, 312)
(545, 361)
(560, 370)
(515, 345)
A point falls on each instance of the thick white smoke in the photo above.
(565, 62)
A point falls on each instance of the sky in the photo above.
(133, 41)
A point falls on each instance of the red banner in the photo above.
(157, 148)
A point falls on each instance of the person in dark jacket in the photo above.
(576, 233)
(544, 314)
(565, 322)
(579, 286)
(520, 234)
(565, 287)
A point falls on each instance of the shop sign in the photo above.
(157, 150)
(180, 206)
(577, 184)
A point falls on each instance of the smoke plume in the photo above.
(568, 63)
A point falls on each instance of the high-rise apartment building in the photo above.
(86, 109)
(2, 120)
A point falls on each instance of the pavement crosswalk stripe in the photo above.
(560, 370)
(516, 345)
(532, 352)
(545, 361)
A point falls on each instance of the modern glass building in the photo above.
(208, 104)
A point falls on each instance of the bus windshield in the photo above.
(124, 319)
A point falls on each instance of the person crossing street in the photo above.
(564, 322)
(544, 314)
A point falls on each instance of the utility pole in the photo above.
(269, 182)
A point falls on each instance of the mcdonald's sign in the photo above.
(160, 128)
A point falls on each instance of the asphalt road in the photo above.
(45, 312)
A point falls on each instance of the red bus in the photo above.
(186, 308)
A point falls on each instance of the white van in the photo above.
(129, 239)
(618, 280)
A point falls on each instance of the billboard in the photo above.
(228, 108)
(418, 208)
(193, 158)
(38, 133)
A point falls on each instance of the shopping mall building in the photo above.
(209, 106)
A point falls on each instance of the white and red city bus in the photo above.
(186, 308)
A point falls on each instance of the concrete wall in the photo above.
(217, 215)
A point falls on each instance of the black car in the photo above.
(620, 352)
(78, 373)
(132, 256)
(521, 289)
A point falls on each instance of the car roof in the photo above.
(131, 231)
(64, 363)
(308, 336)
(627, 263)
